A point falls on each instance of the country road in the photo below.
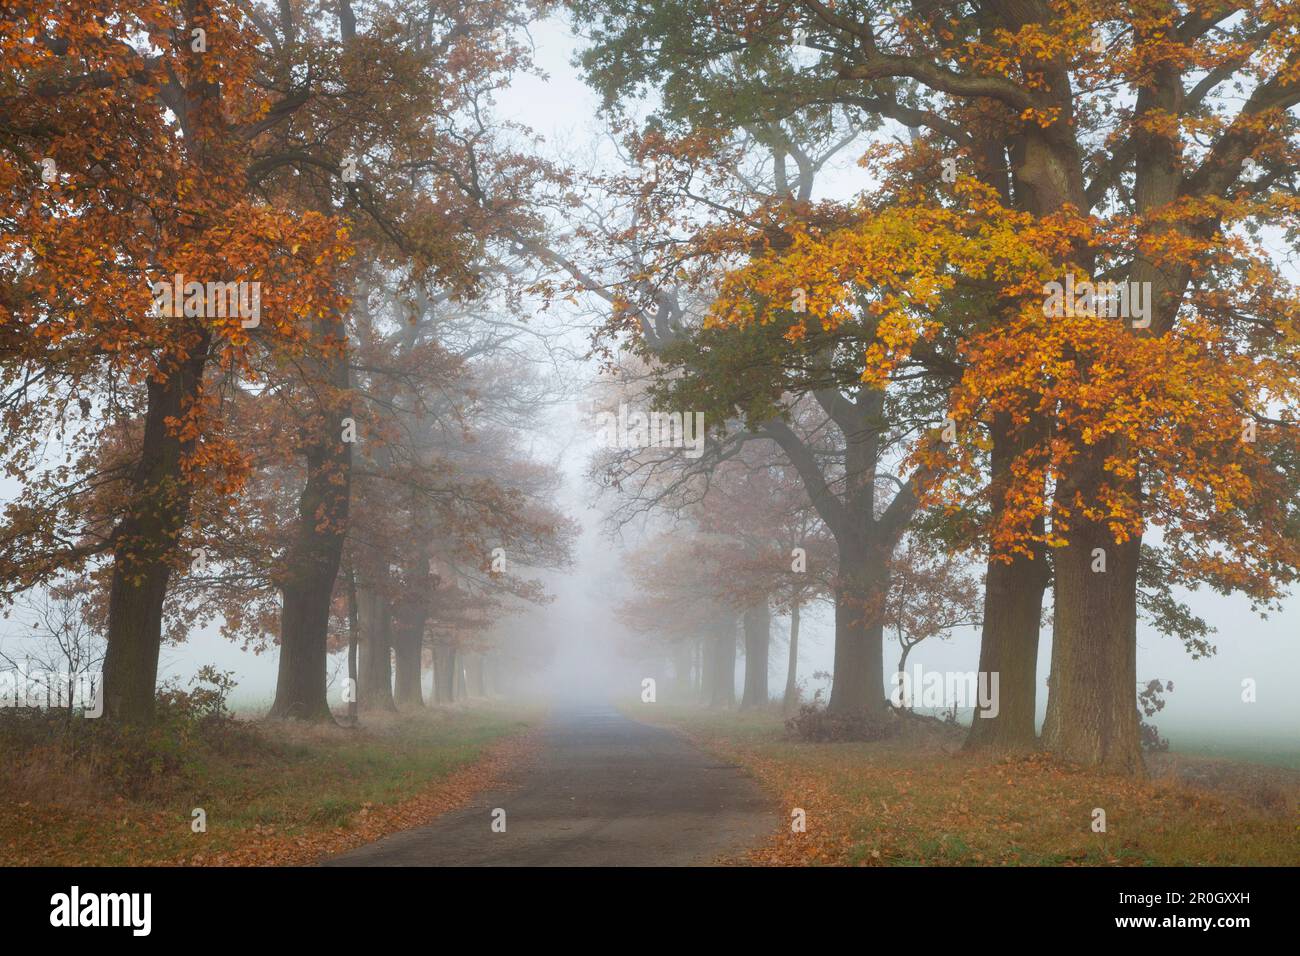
(603, 790)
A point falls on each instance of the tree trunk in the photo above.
(461, 691)
(144, 543)
(354, 637)
(858, 681)
(791, 698)
(134, 639)
(683, 659)
(477, 683)
(408, 647)
(1092, 711)
(722, 687)
(444, 674)
(376, 678)
(907, 702)
(312, 562)
(1013, 610)
(705, 655)
(411, 614)
(308, 587)
(758, 637)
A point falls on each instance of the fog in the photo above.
(1203, 713)
(580, 636)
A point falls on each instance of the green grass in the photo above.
(1276, 751)
(917, 801)
(258, 782)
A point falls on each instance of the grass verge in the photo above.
(273, 792)
(916, 800)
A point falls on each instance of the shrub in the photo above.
(131, 761)
(813, 722)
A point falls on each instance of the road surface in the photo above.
(602, 790)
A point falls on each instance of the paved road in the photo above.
(603, 790)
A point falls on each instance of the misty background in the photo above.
(1204, 712)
